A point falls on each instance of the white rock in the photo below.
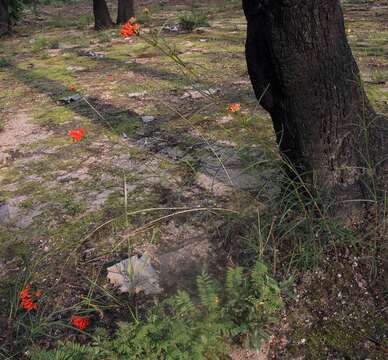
(137, 94)
(135, 275)
(147, 119)
(75, 68)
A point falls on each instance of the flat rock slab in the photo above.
(4, 213)
(212, 185)
(11, 213)
(70, 99)
(93, 54)
(198, 94)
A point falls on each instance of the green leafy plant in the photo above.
(191, 21)
(251, 303)
(144, 17)
(15, 10)
(185, 328)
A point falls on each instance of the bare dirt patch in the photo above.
(19, 130)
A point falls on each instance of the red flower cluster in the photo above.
(234, 107)
(77, 134)
(28, 299)
(80, 322)
(130, 28)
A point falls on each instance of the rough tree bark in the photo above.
(125, 10)
(5, 22)
(303, 70)
(102, 19)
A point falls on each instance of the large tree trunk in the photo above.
(303, 70)
(125, 10)
(102, 19)
(5, 22)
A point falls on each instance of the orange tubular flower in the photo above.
(80, 322)
(77, 134)
(234, 108)
(25, 293)
(130, 28)
(28, 305)
(26, 299)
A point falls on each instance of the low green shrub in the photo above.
(181, 327)
(41, 42)
(85, 20)
(193, 20)
(104, 36)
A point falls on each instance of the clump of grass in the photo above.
(84, 20)
(193, 20)
(356, 1)
(80, 22)
(145, 16)
(104, 36)
(4, 62)
(2, 124)
(378, 77)
(41, 42)
(50, 2)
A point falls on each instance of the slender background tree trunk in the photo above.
(102, 19)
(5, 23)
(125, 10)
(299, 58)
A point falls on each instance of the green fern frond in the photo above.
(183, 305)
(207, 291)
(234, 278)
(258, 274)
